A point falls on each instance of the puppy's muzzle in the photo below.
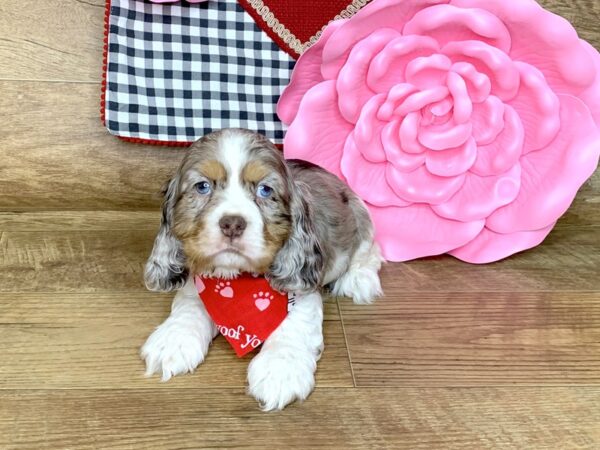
(232, 226)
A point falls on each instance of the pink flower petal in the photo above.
(405, 162)
(306, 74)
(544, 40)
(463, 108)
(478, 84)
(488, 120)
(552, 176)
(442, 108)
(452, 162)
(538, 107)
(409, 130)
(367, 132)
(494, 63)
(445, 136)
(367, 179)
(481, 196)
(447, 23)
(318, 132)
(416, 231)
(395, 96)
(389, 66)
(428, 71)
(415, 102)
(352, 88)
(374, 16)
(489, 246)
(505, 151)
(420, 186)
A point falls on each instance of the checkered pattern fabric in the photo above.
(178, 71)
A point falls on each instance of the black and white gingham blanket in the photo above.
(178, 71)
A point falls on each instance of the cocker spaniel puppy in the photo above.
(235, 205)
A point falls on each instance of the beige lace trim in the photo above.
(286, 35)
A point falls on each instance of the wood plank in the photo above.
(140, 308)
(79, 220)
(74, 341)
(74, 261)
(56, 154)
(58, 40)
(112, 261)
(475, 339)
(567, 260)
(410, 418)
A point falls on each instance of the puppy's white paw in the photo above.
(278, 376)
(175, 348)
(361, 284)
(361, 280)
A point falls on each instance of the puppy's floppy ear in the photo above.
(299, 265)
(165, 269)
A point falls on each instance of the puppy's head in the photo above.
(231, 207)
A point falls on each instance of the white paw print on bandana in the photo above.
(200, 286)
(262, 300)
(224, 289)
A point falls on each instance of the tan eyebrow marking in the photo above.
(213, 170)
(255, 171)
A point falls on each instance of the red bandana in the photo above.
(246, 309)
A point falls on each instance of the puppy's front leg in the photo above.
(284, 369)
(181, 342)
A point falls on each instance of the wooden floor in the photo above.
(455, 356)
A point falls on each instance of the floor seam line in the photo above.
(337, 302)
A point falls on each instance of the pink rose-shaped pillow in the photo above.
(467, 126)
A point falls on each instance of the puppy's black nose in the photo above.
(232, 226)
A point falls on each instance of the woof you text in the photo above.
(237, 333)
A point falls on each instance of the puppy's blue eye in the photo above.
(264, 191)
(203, 187)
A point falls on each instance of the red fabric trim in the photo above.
(104, 62)
(263, 26)
(155, 142)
